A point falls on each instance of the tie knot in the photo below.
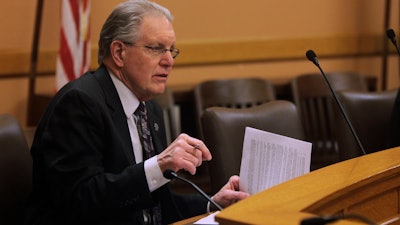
(141, 109)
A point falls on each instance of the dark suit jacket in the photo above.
(84, 169)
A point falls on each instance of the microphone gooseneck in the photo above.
(313, 58)
(170, 174)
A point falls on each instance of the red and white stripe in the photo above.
(74, 54)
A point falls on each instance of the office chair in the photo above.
(224, 130)
(15, 169)
(231, 93)
(369, 113)
(316, 106)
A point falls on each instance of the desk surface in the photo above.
(367, 185)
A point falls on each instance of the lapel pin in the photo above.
(156, 127)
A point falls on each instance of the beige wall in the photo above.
(269, 36)
(210, 19)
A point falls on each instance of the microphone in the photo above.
(392, 37)
(313, 58)
(318, 220)
(394, 118)
(330, 219)
(170, 174)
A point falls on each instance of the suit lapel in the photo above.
(116, 111)
(154, 115)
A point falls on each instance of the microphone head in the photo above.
(169, 174)
(390, 34)
(311, 55)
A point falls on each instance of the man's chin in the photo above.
(158, 91)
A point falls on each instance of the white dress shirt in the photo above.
(154, 175)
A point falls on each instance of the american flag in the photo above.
(74, 54)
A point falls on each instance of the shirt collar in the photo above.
(128, 99)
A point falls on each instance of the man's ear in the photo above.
(117, 51)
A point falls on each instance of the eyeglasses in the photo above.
(157, 50)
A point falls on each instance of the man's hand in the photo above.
(184, 153)
(229, 193)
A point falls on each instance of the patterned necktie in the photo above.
(144, 132)
(148, 152)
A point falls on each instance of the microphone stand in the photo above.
(313, 58)
(395, 119)
(169, 174)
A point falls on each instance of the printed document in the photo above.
(269, 159)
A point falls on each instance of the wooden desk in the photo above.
(367, 185)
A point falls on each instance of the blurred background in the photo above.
(218, 39)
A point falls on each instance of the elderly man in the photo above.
(100, 149)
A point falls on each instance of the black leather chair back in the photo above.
(369, 113)
(224, 130)
(231, 93)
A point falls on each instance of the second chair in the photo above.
(316, 106)
(224, 130)
(369, 113)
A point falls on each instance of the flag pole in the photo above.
(33, 63)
